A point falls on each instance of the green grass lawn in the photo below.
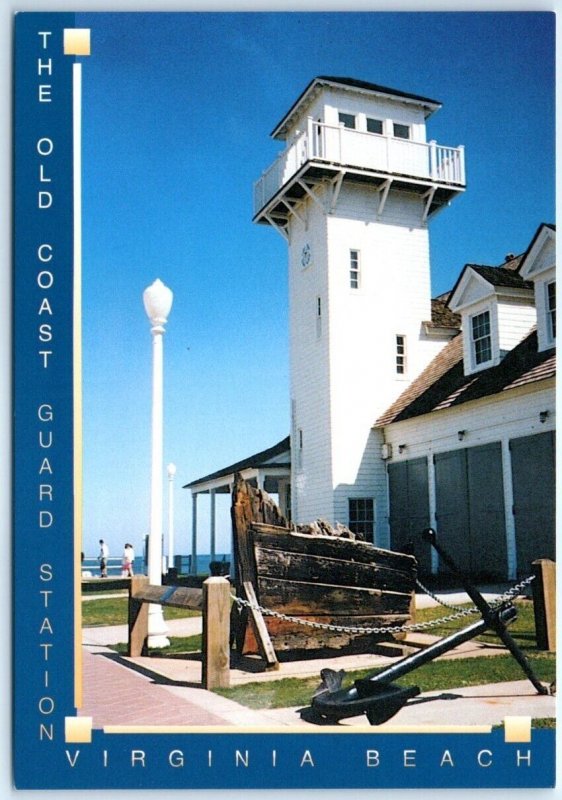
(438, 675)
(114, 611)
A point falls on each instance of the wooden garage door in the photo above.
(533, 470)
(470, 509)
(409, 508)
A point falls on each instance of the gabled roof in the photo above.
(353, 83)
(443, 383)
(261, 459)
(499, 276)
(506, 276)
(543, 232)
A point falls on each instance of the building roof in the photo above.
(353, 83)
(500, 276)
(441, 314)
(261, 459)
(443, 383)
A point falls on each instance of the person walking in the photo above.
(102, 558)
(128, 559)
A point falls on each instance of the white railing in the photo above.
(339, 145)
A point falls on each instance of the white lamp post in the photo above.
(157, 303)
(171, 476)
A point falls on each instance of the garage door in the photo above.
(409, 508)
(470, 508)
(533, 470)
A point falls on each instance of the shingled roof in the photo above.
(441, 314)
(443, 383)
(258, 460)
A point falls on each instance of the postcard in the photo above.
(284, 325)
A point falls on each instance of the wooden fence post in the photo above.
(216, 633)
(138, 618)
(544, 602)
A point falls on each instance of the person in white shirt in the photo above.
(128, 559)
(102, 558)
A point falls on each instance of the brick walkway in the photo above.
(115, 694)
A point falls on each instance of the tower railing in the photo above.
(336, 144)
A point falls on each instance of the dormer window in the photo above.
(551, 309)
(481, 338)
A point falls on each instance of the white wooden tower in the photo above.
(352, 194)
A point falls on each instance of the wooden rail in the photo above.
(544, 603)
(214, 602)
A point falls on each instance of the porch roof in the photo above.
(275, 462)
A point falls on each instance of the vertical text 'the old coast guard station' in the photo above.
(406, 410)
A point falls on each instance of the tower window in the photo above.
(318, 317)
(400, 354)
(354, 270)
(374, 125)
(347, 120)
(481, 338)
(362, 516)
(551, 309)
(401, 131)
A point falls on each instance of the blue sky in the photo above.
(177, 114)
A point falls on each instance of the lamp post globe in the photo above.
(157, 300)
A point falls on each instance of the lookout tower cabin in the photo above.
(352, 193)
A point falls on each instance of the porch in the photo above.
(336, 152)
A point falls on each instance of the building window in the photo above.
(354, 269)
(551, 309)
(318, 317)
(362, 516)
(374, 125)
(481, 338)
(400, 354)
(401, 131)
(347, 120)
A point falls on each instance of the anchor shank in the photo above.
(409, 663)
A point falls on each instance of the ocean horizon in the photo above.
(181, 562)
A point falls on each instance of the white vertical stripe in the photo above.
(77, 369)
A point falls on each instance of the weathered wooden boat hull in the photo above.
(326, 579)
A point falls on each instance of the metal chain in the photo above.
(507, 595)
(417, 626)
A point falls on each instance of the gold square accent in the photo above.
(77, 41)
(517, 729)
(78, 730)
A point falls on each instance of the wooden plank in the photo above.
(299, 598)
(333, 547)
(292, 636)
(544, 603)
(273, 563)
(216, 633)
(175, 596)
(261, 633)
(138, 619)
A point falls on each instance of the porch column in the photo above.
(432, 491)
(213, 522)
(509, 502)
(282, 492)
(193, 565)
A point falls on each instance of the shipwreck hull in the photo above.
(327, 579)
